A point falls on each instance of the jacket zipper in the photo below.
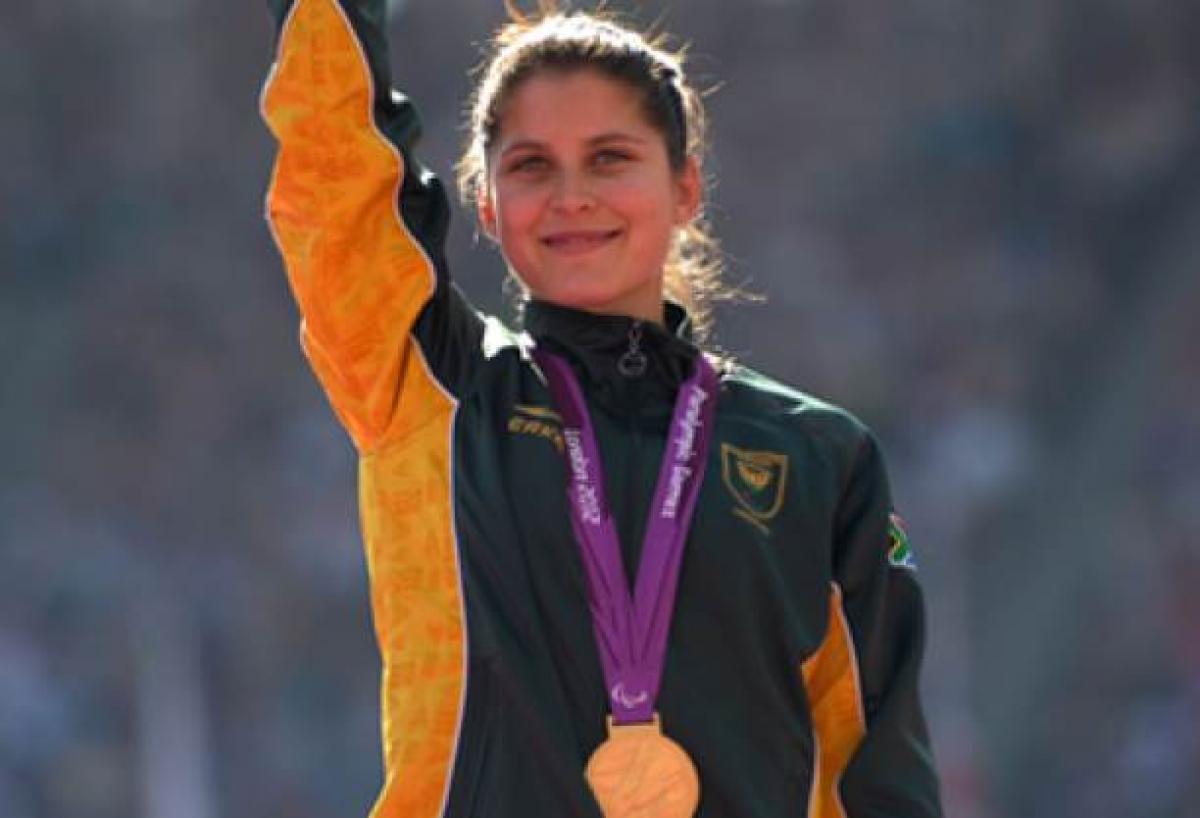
(632, 364)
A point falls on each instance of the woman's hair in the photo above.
(554, 40)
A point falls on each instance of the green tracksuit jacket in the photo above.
(793, 657)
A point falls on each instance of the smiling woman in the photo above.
(583, 604)
(648, 116)
(581, 195)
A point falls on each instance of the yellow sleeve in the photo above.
(359, 224)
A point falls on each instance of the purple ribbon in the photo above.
(631, 632)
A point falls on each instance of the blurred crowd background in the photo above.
(977, 224)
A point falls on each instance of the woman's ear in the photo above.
(689, 190)
(486, 210)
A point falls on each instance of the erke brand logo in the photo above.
(757, 481)
(537, 421)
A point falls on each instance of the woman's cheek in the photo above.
(636, 196)
(517, 214)
(518, 208)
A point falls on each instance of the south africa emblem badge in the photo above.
(756, 480)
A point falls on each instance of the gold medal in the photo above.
(640, 773)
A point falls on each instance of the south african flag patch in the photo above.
(900, 553)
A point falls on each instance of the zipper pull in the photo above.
(632, 363)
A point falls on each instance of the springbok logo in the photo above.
(757, 481)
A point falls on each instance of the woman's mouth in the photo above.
(578, 241)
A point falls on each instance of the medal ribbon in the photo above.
(631, 631)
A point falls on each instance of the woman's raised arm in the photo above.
(361, 225)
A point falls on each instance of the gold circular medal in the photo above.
(640, 773)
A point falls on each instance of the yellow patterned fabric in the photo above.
(361, 280)
(839, 724)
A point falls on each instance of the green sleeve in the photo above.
(891, 774)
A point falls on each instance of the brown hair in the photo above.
(554, 40)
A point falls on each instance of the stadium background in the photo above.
(977, 224)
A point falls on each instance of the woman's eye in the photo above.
(611, 157)
(527, 164)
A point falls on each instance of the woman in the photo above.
(610, 574)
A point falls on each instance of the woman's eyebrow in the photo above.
(599, 139)
(616, 136)
(523, 145)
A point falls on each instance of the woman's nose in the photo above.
(573, 192)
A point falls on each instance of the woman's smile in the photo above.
(578, 242)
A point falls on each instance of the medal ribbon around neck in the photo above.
(631, 632)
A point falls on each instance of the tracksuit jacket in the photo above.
(793, 657)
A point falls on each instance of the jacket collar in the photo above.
(595, 345)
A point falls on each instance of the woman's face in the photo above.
(581, 195)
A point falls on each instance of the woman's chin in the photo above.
(645, 306)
